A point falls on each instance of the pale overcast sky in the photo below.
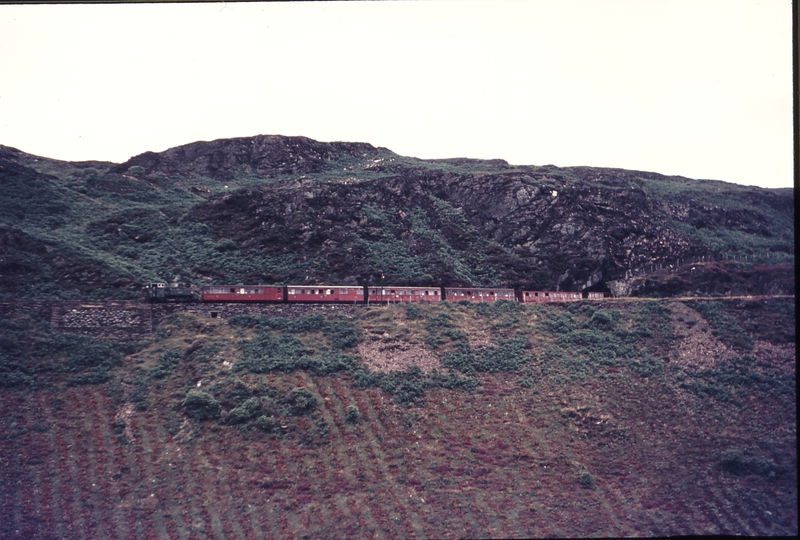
(698, 88)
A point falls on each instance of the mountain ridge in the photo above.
(273, 208)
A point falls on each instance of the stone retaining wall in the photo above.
(117, 320)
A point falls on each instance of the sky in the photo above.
(697, 88)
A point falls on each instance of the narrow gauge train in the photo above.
(354, 294)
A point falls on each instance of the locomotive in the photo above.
(354, 294)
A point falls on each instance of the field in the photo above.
(533, 424)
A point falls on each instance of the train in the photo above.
(355, 294)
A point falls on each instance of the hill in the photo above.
(273, 209)
(623, 418)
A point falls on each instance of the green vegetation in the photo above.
(723, 325)
(201, 405)
(763, 231)
(586, 480)
(352, 414)
(244, 412)
(30, 349)
(741, 376)
(277, 347)
(386, 252)
(737, 462)
(588, 341)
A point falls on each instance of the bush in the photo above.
(601, 320)
(266, 423)
(95, 376)
(352, 414)
(166, 362)
(301, 400)
(586, 480)
(343, 333)
(735, 462)
(136, 170)
(201, 405)
(413, 311)
(244, 412)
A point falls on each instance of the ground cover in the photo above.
(597, 425)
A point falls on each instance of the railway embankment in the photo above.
(136, 319)
(132, 320)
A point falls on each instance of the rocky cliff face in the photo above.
(264, 156)
(289, 209)
(515, 228)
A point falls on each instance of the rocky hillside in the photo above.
(273, 209)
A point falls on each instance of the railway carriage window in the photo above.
(328, 291)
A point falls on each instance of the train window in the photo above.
(328, 291)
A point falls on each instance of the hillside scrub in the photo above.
(543, 405)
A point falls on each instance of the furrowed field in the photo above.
(618, 419)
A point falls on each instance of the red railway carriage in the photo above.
(325, 293)
(596, 295)
(404, 294)
(456, 294)
(242, 293)
(548, 296)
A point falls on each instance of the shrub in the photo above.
(343, 333)
(166, 362)
(601, 320)
(586, 480)
(201, 405)
(266, 423)
(245, 411)
(136, 170)
(413, 311)
(95, 376)
(352, 414)
(735, 462)
(301, 400)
